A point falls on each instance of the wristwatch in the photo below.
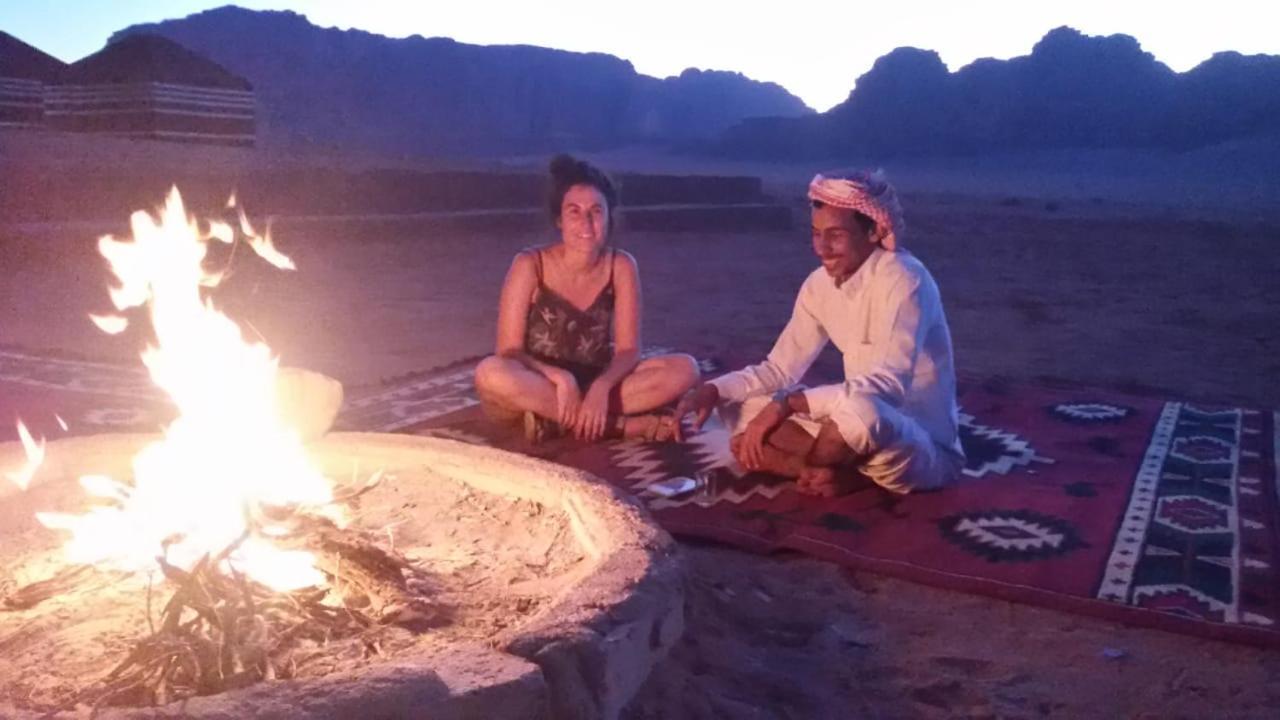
(782, 397)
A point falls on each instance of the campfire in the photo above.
(243, 551)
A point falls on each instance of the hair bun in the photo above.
(564, 166)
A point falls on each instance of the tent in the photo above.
(24, 71)
(150, 86)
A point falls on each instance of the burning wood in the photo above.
(29, 596)
(243, 517)
(367, 576)
(221, 630)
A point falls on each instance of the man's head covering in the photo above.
(866, 192)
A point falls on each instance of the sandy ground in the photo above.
(1130, 292)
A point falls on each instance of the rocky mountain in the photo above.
(355, 89)
(1072, 91)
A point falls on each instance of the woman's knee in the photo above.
(682, 370)
(492, 374)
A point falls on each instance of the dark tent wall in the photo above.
(149, 86)
(21, 102)
(24, 71)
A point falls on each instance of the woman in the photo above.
(568, 351)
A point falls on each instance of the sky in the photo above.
(814, 48)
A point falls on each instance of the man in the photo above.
(893, 420)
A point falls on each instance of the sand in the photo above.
(1110, 283)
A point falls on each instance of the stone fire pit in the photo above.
(555, 595)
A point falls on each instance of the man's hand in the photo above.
(700, 401)
(751, 446)
(568, 397)
(592, 413)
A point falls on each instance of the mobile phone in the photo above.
(672, 487)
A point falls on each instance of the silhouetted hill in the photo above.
(1072, 91)
(148, 58)
(20, 60)
(1226, 97)
(360, 90)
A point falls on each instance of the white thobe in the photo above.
(896, 408)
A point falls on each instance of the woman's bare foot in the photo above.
(830, 481)
(650, 427)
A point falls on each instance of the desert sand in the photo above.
(1140, 281)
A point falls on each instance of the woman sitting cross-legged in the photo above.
(568, 351)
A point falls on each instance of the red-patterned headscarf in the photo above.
(866, 192)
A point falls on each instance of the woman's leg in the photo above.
(656, 381)
(508, 388)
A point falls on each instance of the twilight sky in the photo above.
(814, 48)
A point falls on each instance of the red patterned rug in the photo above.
(1146, 511)
(1130, 508)
(87, 397)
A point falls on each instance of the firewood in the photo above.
(32, 594)
(220, 630)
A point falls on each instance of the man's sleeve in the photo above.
(893, 359)
(796, 349)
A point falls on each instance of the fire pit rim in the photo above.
(622, 615)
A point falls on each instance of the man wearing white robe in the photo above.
(893, 421)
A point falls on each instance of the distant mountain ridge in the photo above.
(1072, 91)
(356, 90)
(434, 95)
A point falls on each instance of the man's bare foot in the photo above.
(830, 482)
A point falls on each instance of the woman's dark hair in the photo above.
(864, 221)
(567, 171)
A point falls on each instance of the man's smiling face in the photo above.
(842, 240)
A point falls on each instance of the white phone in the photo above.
(671, 487)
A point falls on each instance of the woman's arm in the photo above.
(513, 305)
(593, 415)
(626, 322)
(513, 314)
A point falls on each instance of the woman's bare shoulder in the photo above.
(624, 261)
(526, 258)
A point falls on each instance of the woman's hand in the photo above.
(568, 397)
(593, 413)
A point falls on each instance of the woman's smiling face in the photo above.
(584, 218)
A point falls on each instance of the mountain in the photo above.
(19, 60)
(1072, 91)
(359, 90)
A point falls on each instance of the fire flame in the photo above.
(228, 463)
(35, 457)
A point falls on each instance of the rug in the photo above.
(60, 397)
(1131, 508)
